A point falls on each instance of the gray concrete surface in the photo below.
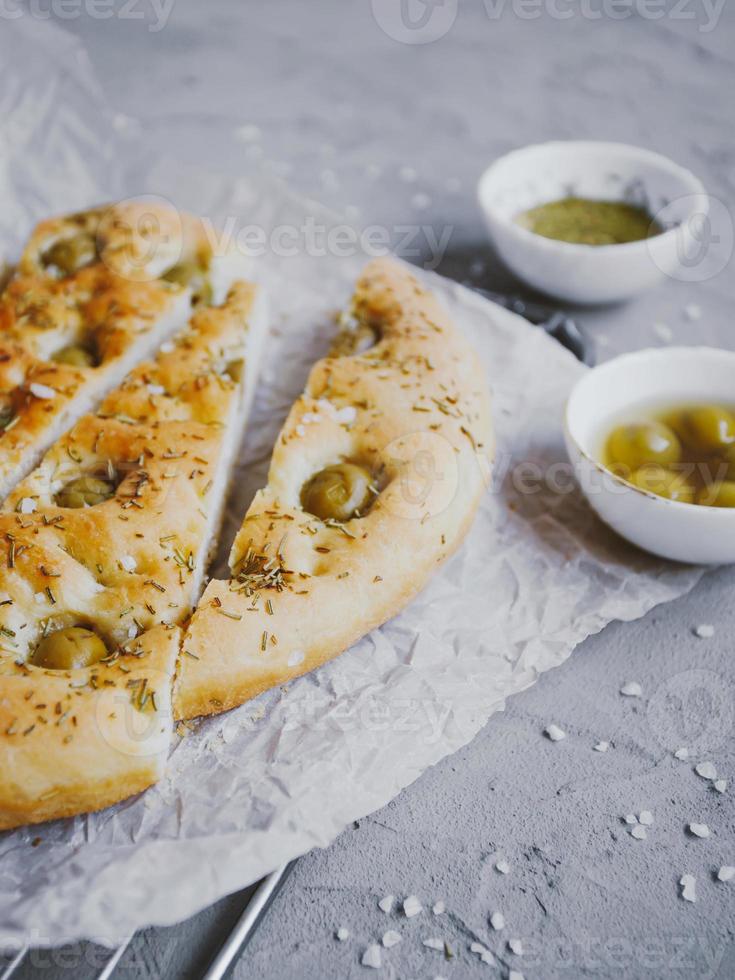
(398, 134)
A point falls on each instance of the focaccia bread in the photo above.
(374, 481)
(103, 551)
(93, 294)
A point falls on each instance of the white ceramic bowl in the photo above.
(684, 532)
(603, 171)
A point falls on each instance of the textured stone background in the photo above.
(399, 133)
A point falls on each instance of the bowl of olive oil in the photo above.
(592, 222)
(651, 436)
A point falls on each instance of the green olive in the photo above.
(69, 649)
(76, 355)
(69, 255)
(708, 429)
(664, 483)
(338, 493)
(640, 443)
(720, 494)
(85, 491)
(196, 277)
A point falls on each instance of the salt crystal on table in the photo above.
(386, 904)
(555, 733)
(704, 631)
(726, 873)
(516, 946)
(343, 934)
(439, 908)
(497, 921)
(630, 818)
(699, 829)
(682, 753)
(515, 975)
(412, 906)
(631, 689)
(706, 770)
(601, 746)
(434, 943)
(638, 832)
(391, 938)
(720, 785)
(502, 866)
(688, 887)
(371, 957)
(646, 818)
(663, 331)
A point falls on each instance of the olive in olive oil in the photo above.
(682, 452)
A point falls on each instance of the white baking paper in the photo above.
(250, 790)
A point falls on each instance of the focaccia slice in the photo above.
(402, 402)
(111, 535)
(94, 293)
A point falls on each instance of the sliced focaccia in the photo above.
(374, 481)
(93, 294)
(102, 553)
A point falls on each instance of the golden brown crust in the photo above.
(129, 568)
(115, 305)
(414, 409)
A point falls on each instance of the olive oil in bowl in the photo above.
(581, 221)
(682, 452)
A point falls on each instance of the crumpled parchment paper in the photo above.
(538, 573)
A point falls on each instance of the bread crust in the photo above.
(415, 410)
(115, 304)
(128, 568)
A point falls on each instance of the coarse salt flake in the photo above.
(346, 415)
(294, 660)
(439, 908)
(40, 596)
(41, 391)
(704, 631)
(128, 563)
(638, 832)
(726, 873)
(646, 818)
(27, 505)
(156, 389)
(555, 733)
(631, 689)
(699, 829)
(682, 753)
(720, 785)
(434, 943)
(706, 770)
(502, 866)
(497, 921)
(343, 934)
(515, 975)
(412, 906)
(601, 746)
(371, 957)
(688, 887)
(663, 331)
(630, 818)
(516, 946)
(391, 938)
(385, 904)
